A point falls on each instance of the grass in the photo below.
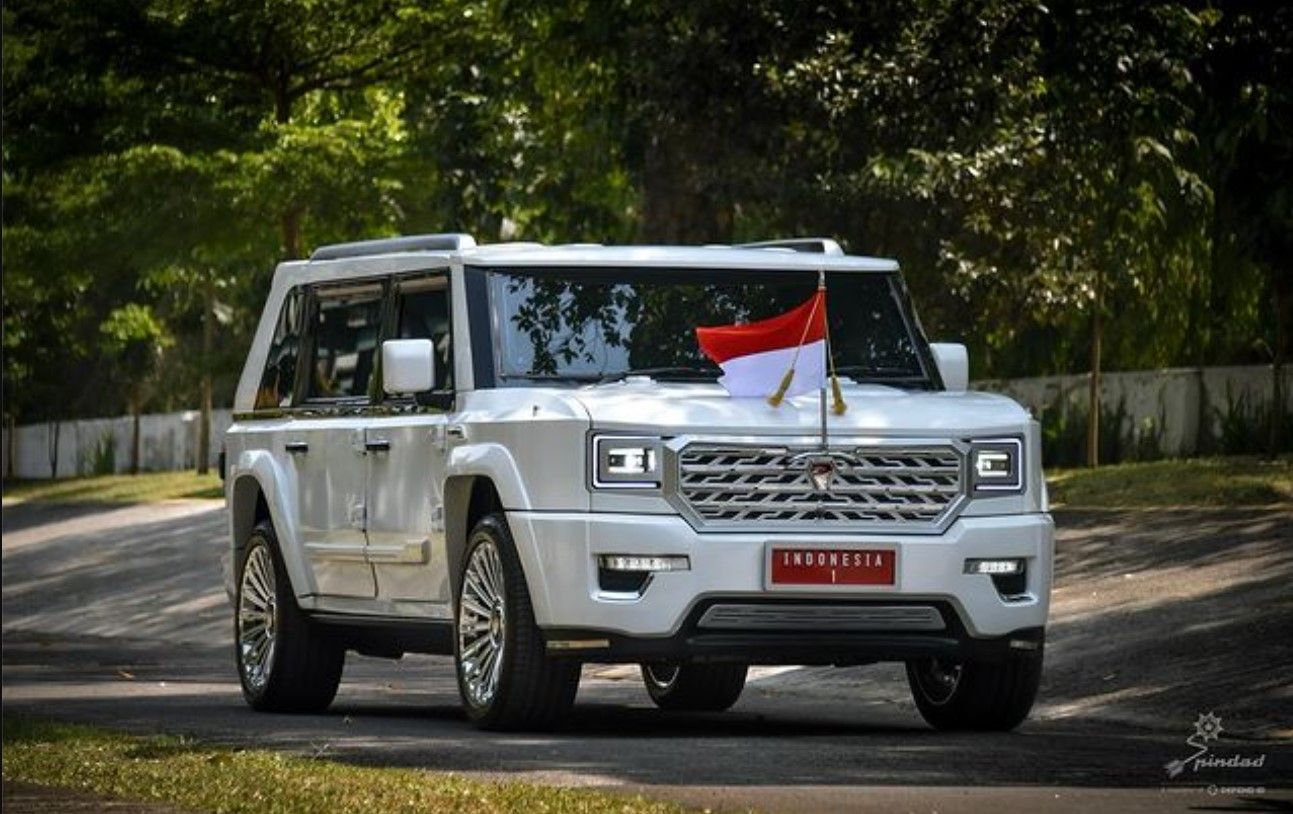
(145, 487)
(1230, 481)
(187, 773)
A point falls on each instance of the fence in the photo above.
(1143, 415)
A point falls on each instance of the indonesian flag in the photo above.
(755, 357)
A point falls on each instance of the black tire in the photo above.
(532, 691)
(303, 666)
(694, 687)
(985, 696)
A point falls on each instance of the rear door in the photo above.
(406, 460)
(327, 441)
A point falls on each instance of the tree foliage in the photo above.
(1047, 173)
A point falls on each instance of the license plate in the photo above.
(832, 566)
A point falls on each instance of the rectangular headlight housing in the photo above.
(626, 462)
(997, 466)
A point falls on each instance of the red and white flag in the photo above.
(755, 357)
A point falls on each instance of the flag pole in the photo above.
(821, 396)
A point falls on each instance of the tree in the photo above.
(133, 341)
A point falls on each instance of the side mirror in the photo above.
(408, 366)
(953, 365)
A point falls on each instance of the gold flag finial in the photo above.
(776, 398)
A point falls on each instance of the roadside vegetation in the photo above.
(1231, 481)
(144, 488)
(184, 772)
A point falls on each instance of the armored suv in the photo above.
(517, 455)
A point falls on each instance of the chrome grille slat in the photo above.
(914, 487)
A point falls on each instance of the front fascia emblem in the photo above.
(821, 472)
(822, 467)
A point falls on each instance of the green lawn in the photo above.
(142, 488)
(184, 772)
(1232, 481)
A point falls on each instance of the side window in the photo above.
(279, 377)
(347, 329)
(423, 313)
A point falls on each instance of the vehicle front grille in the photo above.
(729, 485)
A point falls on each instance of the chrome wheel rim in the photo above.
(938, 680)
(482, 624)
(663, 675)
(257, 618)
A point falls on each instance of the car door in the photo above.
(406, 461)
(327, 441)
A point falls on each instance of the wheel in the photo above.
(975, 695)
(285, 663)
(694, 687)
(505, 677)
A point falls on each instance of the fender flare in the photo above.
(256, 471)
(494, 464)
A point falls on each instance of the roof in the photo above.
(395, 255)
(735, 257)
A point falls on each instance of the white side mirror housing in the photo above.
(953, 365)
(408, 366)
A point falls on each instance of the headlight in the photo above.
(626, 462)
(997, 465)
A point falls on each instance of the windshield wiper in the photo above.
(675, 370)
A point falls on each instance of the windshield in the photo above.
(593, 325)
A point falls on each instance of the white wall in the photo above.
(167, 441)
(1177, 400)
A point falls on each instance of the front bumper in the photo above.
(559, 553)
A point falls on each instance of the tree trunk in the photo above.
(10, 455)
(208, 339)
(52, 435)
(1093, 403)
(1281, 298)
(135, 408)
(289, 218)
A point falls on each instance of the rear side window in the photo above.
(278, 380)
(347, 331)
(423, 313)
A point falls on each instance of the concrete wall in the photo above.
(167, 441)
(1184, 407)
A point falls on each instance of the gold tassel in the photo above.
(838, 395)
(776, 398)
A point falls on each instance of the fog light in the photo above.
(632, 562)
(994, 567)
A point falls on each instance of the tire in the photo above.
(505, 678)
(694, 687)
(980, 696)
(301, 664)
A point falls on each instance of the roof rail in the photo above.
(809, 245)
(447, 242)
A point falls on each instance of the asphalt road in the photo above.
(117, 617)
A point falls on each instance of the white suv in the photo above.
(518, 455)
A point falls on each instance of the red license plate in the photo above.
(832, 566)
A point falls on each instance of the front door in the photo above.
(406, 461)
(327, 443)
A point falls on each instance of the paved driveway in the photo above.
(117, 617)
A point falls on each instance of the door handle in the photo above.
(297, 447)
(377, 445)
(456, 432)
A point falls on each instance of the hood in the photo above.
(673, 408)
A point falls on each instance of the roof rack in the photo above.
(808, 245)
(448, 242)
